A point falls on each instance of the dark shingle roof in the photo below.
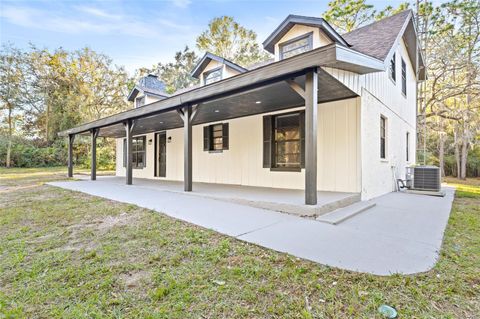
(152, 83)
(377, 39)
(148, 84)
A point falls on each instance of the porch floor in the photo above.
(278, 199)
(403, 233)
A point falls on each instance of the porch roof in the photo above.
(237, 96)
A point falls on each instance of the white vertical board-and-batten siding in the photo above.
(338, 153)
(380, 95)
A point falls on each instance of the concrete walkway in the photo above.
(402, 234)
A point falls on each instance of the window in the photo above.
(383, 137)
(212, 76)
(215, 137)
(296, 46)
(392, 69)
(140, 101)
(138, 152)
(407, 147)
(286, 136)
(404, 78)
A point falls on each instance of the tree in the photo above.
(347, 15)
(390, 11)
(228, 39)
(101, 85)
(176, 75)
(11, 77)
(452, 89)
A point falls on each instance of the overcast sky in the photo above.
(139, 33)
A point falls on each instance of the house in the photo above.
(330, 112)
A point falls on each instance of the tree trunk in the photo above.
(457, 154)
(441, 154)
(463, 174)
(464, 154)
(10, 134)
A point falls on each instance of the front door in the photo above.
(161, 154)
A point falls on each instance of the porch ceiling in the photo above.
(272, 97)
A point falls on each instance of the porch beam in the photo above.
(71, 139)
(128, 165)
(93, 167)
(187, 115)
(311, 119)
(296, 87)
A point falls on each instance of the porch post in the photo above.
(93, 173)
(311, 119)
(128, 165)
(187, 148)
(71, 139)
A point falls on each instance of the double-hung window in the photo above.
(287, 146)
(404, 78)
(215, 137)
(284, 141)
(138, 152)
(383, 137)
(392, 69)
(296, 46)
(212, 76)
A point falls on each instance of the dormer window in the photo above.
(212, 76)
(140, 101)
(296, 46)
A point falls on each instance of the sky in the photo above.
(139, 33)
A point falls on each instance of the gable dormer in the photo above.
(212, 68)
(148, 89)
(298, 34)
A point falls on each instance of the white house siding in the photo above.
(338, 153)
(381, 96)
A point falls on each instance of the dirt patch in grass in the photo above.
(133, 279)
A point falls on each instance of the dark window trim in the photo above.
(206, 73)
(308, 35)
(407, 147)
(274, 168)
(285, 169)
(404, 78)
(392, 73)
(144, 137)
(211, 137)
(383, 140)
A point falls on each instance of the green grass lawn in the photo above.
(65, 254)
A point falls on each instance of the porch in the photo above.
(289, 201)
(297, 82)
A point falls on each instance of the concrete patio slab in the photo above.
(402, 234)
(282, 200)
